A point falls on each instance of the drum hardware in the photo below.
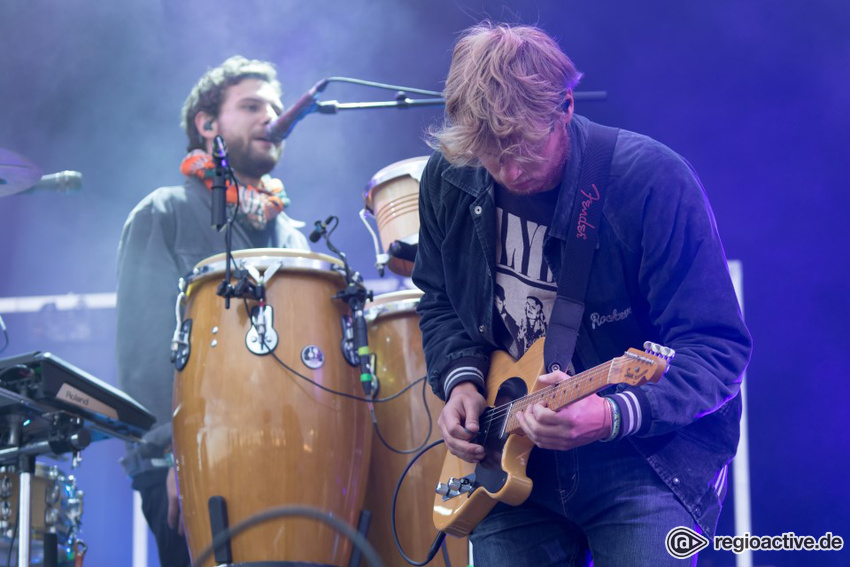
(403, 251)
(349, 351)
(181, 347)
(356, 295)
(381, 258)
(261, 338)
(312, 357)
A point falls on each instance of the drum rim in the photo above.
(411, 166)
(404, 304)
(288, 258)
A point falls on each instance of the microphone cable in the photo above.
(226, 535)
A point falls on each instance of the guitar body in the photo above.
(503, 471)
(467, 492)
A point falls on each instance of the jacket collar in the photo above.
(472, 180)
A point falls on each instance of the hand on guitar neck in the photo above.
(582, 422)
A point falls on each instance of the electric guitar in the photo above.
(469, 490)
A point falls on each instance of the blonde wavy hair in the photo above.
(506, 88)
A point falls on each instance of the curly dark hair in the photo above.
(208, 93)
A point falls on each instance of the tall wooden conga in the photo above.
(395, 338)
(255, 433)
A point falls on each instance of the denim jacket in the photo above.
(659, 274)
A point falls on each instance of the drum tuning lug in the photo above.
(349, 351)
(262, 337)
(180, 345)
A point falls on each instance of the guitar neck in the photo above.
(559, 395)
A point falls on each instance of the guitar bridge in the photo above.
(456, 486)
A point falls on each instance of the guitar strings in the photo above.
(575, 382)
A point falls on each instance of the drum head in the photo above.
(412, 167)
(262, 259)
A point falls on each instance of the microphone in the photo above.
(218, 212)
(63, 182)
(319, 229)
(280, 128)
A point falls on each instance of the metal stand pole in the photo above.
(26, 466)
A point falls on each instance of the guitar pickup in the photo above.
(456, 486)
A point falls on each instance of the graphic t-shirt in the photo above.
(525, 286)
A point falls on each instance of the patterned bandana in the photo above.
(258, 206)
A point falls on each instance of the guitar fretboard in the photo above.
(559, 395)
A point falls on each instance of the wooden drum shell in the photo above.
(392, 197)
(395, 339)
(249, 430)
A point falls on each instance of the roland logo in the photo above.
(75, 397)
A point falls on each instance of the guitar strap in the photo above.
(579, 247)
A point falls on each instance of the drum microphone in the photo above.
(63, 182)
(280, 128)
(218, 210)
(320, 228)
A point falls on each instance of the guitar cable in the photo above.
(441, 536)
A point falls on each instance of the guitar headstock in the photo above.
(635, 367)
(660, 351)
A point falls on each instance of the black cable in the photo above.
(325, 388)
(360, 542)
(427, 436)
(343, 394)
(441, 536)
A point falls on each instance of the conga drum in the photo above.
(250, 429)
(392, 196)
(395, 339)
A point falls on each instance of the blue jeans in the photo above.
(601, 501)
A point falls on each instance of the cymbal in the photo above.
(17, 173)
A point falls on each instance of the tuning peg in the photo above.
(664, 352)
